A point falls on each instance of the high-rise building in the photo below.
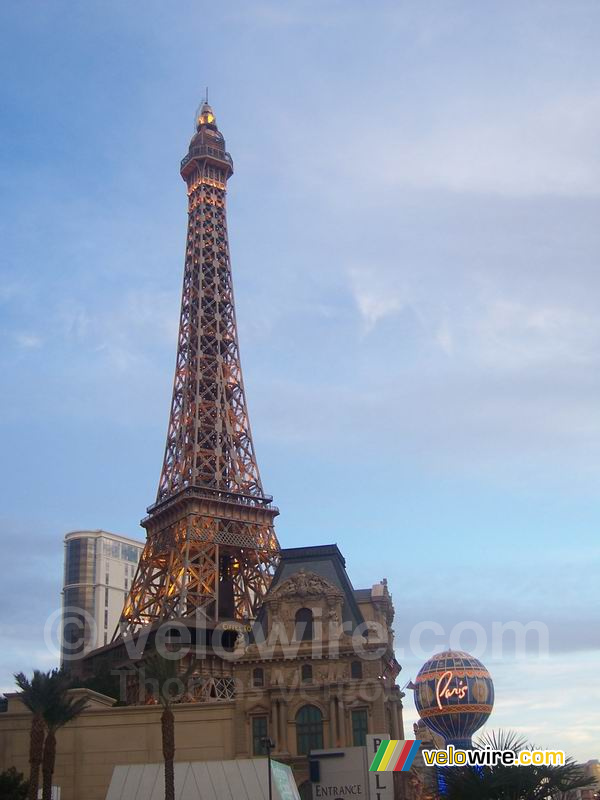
(99, 570)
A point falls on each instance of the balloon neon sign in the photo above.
(443, 690)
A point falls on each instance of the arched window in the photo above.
(306, 673)
(309, 730)
(258, 677)
(303, 630)
(356, 669)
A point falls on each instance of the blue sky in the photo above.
(415, 243)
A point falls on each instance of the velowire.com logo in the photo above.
(395, 755)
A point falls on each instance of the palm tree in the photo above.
(61, 710)
(165, 674)
(503, 782)
(36, 694)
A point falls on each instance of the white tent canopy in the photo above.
(241, 779)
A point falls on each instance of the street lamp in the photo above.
(269, 745)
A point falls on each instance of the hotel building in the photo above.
(99, 571)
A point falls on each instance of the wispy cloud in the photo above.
(517, 147)
(28, 341)
(374, 300)
(515, 335)
(548, 150)
(127, 331)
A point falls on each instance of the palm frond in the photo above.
(63, 710)
(166, 673)
(502, 740)
(510, 782)
(36, 692)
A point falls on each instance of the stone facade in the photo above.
(317, 672)
(89, 748)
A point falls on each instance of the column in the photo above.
(342, 722)
(332, 725)
(283, 713)
(393, 720)
(274, 734)
(400, 720)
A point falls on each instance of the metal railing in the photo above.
(235, 498)
(205, 150)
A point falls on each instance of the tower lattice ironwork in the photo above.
(211, 546)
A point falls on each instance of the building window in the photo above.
(259, 733)
(106, 597)
(258, 677)
(106, 617)
(359, 727)
(129, 552)
(80, 561)
(356, 669)
(303, 630)
(111, 549)
(309, 730)
(306, 673)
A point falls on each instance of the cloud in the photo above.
(511, 334)
(497, 330)
(373, 301)
(28, 341)
(518, 147)
(549, 149)
(136, 319)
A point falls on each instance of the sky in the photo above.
(413, 222)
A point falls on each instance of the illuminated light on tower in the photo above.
(211, 545)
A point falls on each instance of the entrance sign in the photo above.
(342, 774)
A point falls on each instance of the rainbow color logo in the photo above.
(395, 755)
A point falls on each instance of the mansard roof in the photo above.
(326, 561)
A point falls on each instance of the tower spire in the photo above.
(211, 544)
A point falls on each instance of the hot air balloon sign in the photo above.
(454, 696)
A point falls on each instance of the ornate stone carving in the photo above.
(304, 584)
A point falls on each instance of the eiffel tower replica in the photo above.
(211, 547)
